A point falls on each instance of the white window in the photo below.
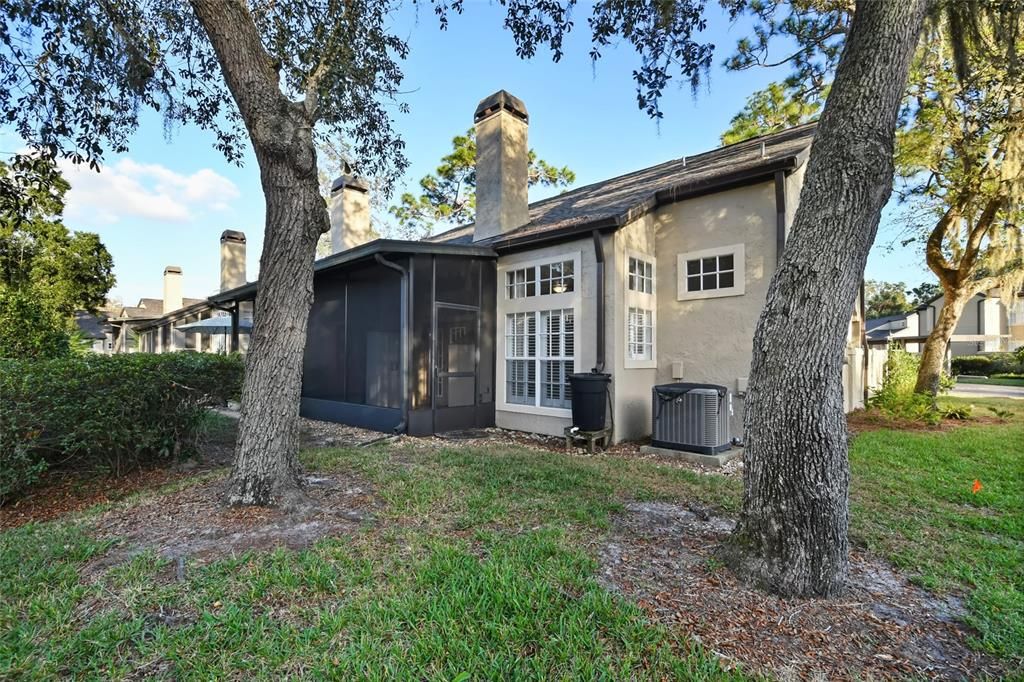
(553, 278)
(641, 311)
(640, 345)
(539, 357)
(521, 283)
(711, 273)
(641, 275)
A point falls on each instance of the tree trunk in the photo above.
(792, 533)
(264, 471)
(934, 352)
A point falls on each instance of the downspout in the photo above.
(599, 317)
(403, 425)
(780, 216)
(981, 323)
(864, 342)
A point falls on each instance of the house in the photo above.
(157, 322)
(985, 326)
(655, 276)
(95, 330)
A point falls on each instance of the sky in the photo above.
(167, 201)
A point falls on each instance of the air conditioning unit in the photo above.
(691, 417)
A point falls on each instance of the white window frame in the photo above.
(642, 301)
(738, 253)
(536, 304)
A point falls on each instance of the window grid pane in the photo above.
(557, 278)
(547, 351)
(640, 344)
(641, 275)
(710, 273)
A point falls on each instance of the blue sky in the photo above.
(167, 201)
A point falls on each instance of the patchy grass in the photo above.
(479, 566)
(482, 563)
(913, 503)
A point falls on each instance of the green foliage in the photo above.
(30, 329)
(108, 411)
(38, 255)
(886, 298)
(769, 111)
(924, 292)
(988, 365)
(449, 194)
(896, 396)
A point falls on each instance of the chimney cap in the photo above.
(349, 181)
(502, 99)
(232, 236)
(172, 270)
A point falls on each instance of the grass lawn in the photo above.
(991, 381)
(913, 503)
(482, 560)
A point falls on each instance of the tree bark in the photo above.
(959, 284)
(792, 533)
(265, 464)
(930, 371)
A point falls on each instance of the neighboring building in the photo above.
(655, 276)
(158, 325)
(96, 330)
(986, 326)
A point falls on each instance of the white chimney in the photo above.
(172, 288)
(350, 212)
(232, 259)
(502, 165)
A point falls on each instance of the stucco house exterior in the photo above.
(986, 325)
(655, 276)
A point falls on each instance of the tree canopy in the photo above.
(448, 195)
(885, 298)
(40, 257)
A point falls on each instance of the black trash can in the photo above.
(589, 398)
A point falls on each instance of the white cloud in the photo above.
(129, 189)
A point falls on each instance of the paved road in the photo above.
(987, 391)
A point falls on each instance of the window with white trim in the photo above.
(521, 283)
(711, 273)
(640, 310)
(539, 357)
(640, 345)
(557, 277)
(641, 275)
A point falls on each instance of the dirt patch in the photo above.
(192, 524)
(661, 555)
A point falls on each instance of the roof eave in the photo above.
(663, 197)
(365, 251)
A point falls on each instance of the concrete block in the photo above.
(713, 461)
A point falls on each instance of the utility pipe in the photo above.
(404, 361)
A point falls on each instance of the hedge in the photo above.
(987, 365)
(106, 411)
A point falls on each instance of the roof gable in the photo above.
(614, 202)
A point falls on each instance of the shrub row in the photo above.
(105, 411)
(989, 364)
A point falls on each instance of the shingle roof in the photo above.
(90, 326)
(617, 201)
(153, 307)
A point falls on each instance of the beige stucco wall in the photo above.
(713, 337)
(631, 384)
(545, 420)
